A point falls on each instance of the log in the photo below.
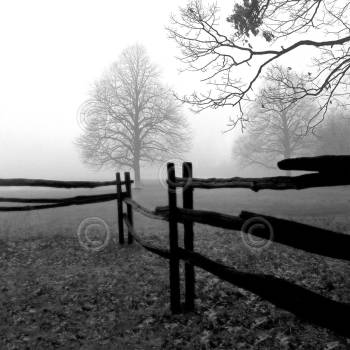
(174, 264)
(187, 200)
(120, 209)
(202, 217)
(308, 238)
(210, 218)
(146, 212)
(164, 253)
(128, 207)
(63, 202)
(286, 295)
(270, 183)
(311, 239)
(56, 183)
(31, 200)
(322, 164)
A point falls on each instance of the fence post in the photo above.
(187, 200)
(128, 206)
(120, 209)
(174, 268)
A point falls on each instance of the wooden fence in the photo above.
(64, 201)
(289, 296)
(302, 302)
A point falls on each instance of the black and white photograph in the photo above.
(175, 175)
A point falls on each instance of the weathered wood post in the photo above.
(174, 268)
(128, 206)
(187, 199)
(120, 209)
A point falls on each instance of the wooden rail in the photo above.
(56, 202)
(293, 234)
(65, 201)
(322, 164)
(269, 183)
(55, 183)
(297, 235)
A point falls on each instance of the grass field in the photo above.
(56, 295)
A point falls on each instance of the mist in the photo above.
(52, 53)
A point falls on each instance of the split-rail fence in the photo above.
(304, 303)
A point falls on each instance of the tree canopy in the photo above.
(275, 130)
(232, 52)
(131, 117)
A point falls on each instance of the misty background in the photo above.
(53, 52)
(51, 55)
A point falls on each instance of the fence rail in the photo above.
(282, 293)
(56, 202)
(61, 202)
(322, 164)
(57, 184)
(293, 234)
(268, 183)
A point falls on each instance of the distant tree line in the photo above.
(276, 130)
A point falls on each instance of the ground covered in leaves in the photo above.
(56, 295)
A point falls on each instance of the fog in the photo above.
(52, 52)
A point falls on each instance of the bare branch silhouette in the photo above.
(232, 59)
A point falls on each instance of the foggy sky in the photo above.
(51, 54)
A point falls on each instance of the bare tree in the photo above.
(261, 32)
(275, 129)
(130, 117)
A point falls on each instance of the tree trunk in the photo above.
(137, 147)
(287, 155)
(137, 173)
(286, 139)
